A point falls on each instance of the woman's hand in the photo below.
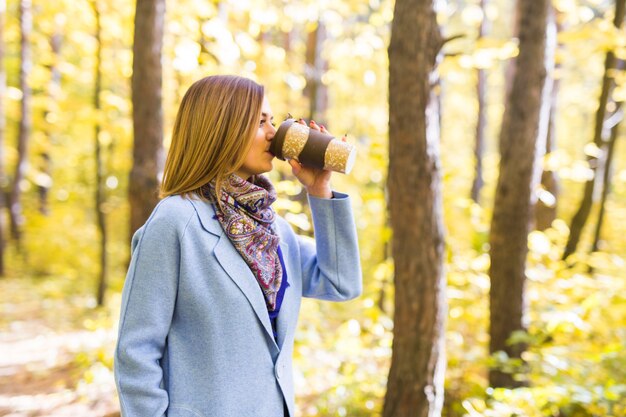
(315, 181)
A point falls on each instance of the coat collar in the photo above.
(237, 269)
(206, 214)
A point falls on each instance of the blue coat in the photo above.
(195, 337)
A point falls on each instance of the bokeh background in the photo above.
(56, 343)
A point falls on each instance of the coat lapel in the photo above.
(234, 265)
(240, 273)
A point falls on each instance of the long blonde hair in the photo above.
(214, 128)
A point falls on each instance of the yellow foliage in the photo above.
(576, 317)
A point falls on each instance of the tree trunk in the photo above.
(99, 195)
(315, 68)
(481, 122)
(415, 383)
(580, 218)
(147, 111)
(545, 210)
(606, 180)
(17, 218)
(45, 182)
(509, 68)
(522, 145)
(3, 179)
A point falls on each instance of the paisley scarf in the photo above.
(246, 217)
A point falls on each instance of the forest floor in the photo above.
(55, 353)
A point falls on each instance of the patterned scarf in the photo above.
(246, 217)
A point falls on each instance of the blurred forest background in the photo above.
(67, 152)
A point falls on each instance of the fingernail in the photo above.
(312, 122)
(323, 127)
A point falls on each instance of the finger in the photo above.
(295, 166)
(344, 138)
(314, 125)
(301, 121)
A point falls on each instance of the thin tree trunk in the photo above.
(147, 110)
(315, 90)
(315, 68)
(481, 122)
(545, 210)
(287, 41)
(415, 383)
(99, 195)
(606, 181)
(3, 179)
(522, 145)
(45, 183)
(580, 218)
(17, 218)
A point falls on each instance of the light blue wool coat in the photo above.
(195, 337)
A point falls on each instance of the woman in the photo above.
(212, 295)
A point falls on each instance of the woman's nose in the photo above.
(271, 131)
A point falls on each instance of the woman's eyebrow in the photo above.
(263, 114)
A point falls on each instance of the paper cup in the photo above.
(312, 148)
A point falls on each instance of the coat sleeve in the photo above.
(331, 269)
(148, 302)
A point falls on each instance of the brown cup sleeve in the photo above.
(315, 148)
(276, 147)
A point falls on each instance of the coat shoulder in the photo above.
(171, 213)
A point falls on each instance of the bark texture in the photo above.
(608, 82)
(415, 383)
(147, 111)
(15, 200)
(522, 145)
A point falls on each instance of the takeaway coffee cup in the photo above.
(312, 148)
